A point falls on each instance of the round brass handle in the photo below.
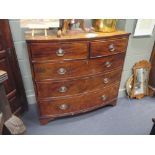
(62, 89)
(60, 52)
(111, 48)
(106, 80)
(108, 64)
(63, 106)
(62, 71)
(104, 97)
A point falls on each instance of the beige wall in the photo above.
(138, 49)
(22, 55)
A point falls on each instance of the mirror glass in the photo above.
(141, 81)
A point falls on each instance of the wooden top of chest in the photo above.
(74, 37)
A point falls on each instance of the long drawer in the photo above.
(74, 69)
(79, 103)
(59, 51)
(47, 89)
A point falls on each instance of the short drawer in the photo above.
(79, 103)
(59, 51)
(75, 69)
(76, 86)
(108, 47)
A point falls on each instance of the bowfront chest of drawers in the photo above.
(76, 74)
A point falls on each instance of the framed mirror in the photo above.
(140, 79)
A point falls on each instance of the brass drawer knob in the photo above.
(61, 71)
(104, 97)
(106, 80)
(108, 64)
(63, 106)
(60, 52)
(62, 89)
(111, 48)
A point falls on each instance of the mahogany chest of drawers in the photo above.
(76, 74)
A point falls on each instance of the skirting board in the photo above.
(122, 93)
(31, 99)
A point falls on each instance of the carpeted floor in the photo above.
(127, 117)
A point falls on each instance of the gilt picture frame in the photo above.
(140, 82)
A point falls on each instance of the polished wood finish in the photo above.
(78, 103)
(8, 62)
(40, 38)
(76, 86)
(108, 47)
(75, 69)
(152, 72)
(50, 51)
(76, 73)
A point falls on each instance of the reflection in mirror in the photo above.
(139, 87)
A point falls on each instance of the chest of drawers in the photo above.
(76, 74)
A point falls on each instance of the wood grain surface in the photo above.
(76, 74)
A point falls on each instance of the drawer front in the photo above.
(74, 69)
(79, 103)
(59, 51)
(108, 47)
(77, 86)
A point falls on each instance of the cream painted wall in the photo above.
(22, 55)
(138, 49)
